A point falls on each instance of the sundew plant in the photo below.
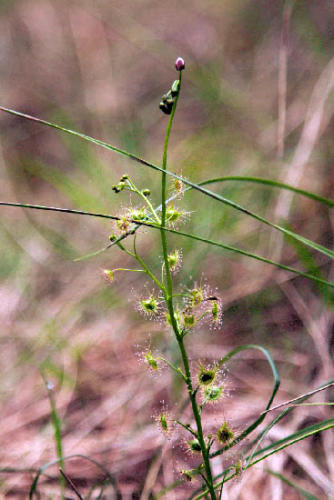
(184, 311)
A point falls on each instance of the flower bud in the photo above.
(174, 260)
(109, 275)
(238, 467)
(189, 320)
(179, 64)
(163, 422)
(151, 361)
(197, 296)
(186, 474)
(146, 192)
(175, 88)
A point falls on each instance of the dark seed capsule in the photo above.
(165, 108)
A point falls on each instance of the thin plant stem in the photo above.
(169, 294)
(169, 301)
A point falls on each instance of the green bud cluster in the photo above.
(117, 188)
(168, 99)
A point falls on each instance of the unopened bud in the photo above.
(151, 361)
(179, 64)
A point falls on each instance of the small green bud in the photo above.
(175, 88)
(117, 188)
(178, 185)
(124, 177)
(186, 474)
(113, 237)
(138, 214)
(194, 445)
(123, 224)
(215, 310)
(189, 320)
(238, 467)
(146, 192)
(163, 422)
(225, 434)
(109, 275)
(197, 296)
(174, 260)
(153, 363)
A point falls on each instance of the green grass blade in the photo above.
(278, 446)
(292, 439)
(270, 183)
(174, 231)
(56, 424)
(232, 204)
(293, 485)
(276, 378)
(252, 256)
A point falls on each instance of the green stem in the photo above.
(169, 298)
(170, 306)
(178, 371)
(197, 415)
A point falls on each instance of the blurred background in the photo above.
(257, 100)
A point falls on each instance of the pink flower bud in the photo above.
(179, 64)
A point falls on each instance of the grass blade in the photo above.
(270, 183)
(174, 231)
(276, 378)
(293, 485)
(278, 446)
(232, 204)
